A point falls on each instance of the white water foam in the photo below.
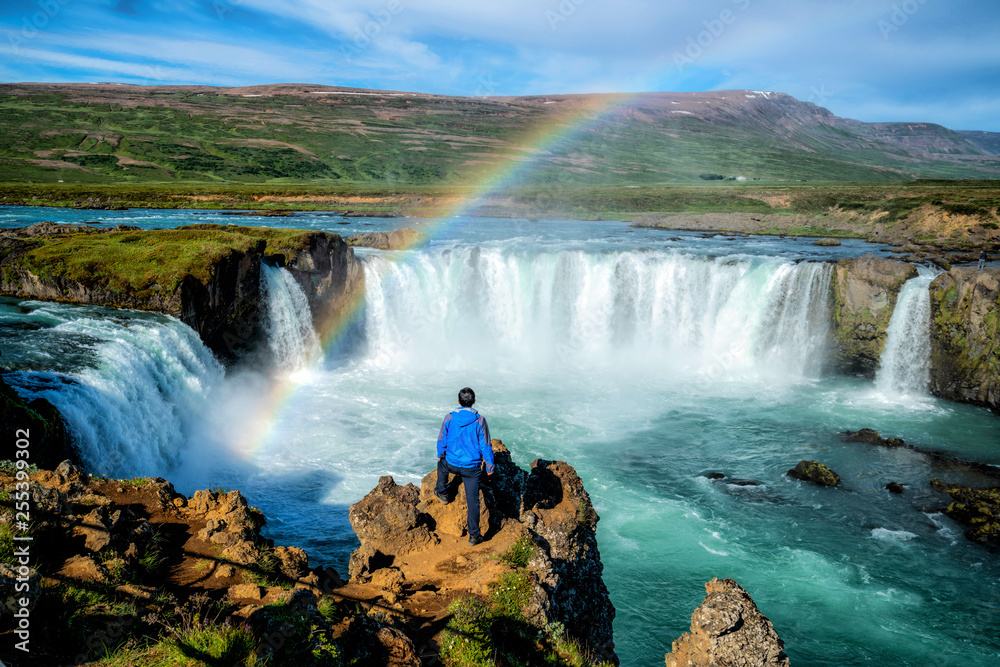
(897, 536)
(290, 333)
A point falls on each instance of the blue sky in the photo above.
(874, 60)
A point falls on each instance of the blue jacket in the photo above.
(464, 440)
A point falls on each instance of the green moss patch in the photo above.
(144, 263)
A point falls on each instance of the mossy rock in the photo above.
(976, 509)
(816, 472)
(49, 440)
(873, 437)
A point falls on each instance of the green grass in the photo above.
(144, 263)
(519, 553)
(495, 632)
(187, 137)
(267, 570)
(214, 646)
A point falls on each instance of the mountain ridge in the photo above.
(95, 133)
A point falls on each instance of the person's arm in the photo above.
(485, 444)
(442, 446)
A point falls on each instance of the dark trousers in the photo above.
(470, 478)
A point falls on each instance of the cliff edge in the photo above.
(533, 591)
(207, 276)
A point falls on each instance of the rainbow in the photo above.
(588, 111)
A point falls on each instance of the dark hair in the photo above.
(466, 397)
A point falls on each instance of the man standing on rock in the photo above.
(982, 260)
(462, 448)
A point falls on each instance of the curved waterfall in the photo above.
(685, 312)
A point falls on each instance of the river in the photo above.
(647, 359)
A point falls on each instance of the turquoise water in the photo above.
(644, 361)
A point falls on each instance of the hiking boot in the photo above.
(443, 498)
(475, 539)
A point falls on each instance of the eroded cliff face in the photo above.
(965, 336)
(220, 297)
(863, 296)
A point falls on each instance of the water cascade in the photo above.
(136, 394)
(904, 368)
(696, 314)
(290, 333)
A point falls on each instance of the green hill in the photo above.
(290, 133)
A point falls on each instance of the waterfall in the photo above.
(137, 391)
(904, 368)
(670, 310)
(290, 333)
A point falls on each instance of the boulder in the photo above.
(396, 649)
(245, 592)
(388, 519)
(813, 471)
(728, 629)
(293, 561)
(894, 487)
(95, 529)
(863, 297)
(872, 437)
(81, 568)
(365, 560)
(827, 242)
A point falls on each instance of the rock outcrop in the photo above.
(399, 239)
(816, 472)
(48, 440)
(408, 536)
(728, 630)
(864, 293)
(208, 276)
(872, 437)
(977, 509)
(965, 336)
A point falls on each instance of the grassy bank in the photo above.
(142, 262)
(893, 200)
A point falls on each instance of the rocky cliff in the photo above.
(537, 575)
(208, 276)
(965, 336)
(863, 295)
(728, 629)
(133, 569)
